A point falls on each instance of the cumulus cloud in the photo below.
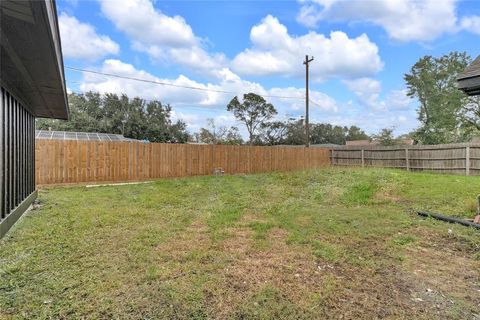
(140, 21)
(368, 92)
(164, 38)
(373, 122)
(403, 20)
(170, 39)
(81, 41)
(471, 24)
(194, 106)
(275, 52)
(216, 97)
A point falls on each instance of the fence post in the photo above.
(467, 161)
(363, 158)
(331, 157)
(407, 160)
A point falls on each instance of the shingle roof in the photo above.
(473, 70)
(469, 79)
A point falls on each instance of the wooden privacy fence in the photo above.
(59, 162)
(462, 158)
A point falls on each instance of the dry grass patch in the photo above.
(318, 244)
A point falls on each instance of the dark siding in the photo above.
(17, 148)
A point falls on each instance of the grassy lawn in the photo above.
(317, 244)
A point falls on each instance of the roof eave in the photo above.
(31, 57)
(471, 85)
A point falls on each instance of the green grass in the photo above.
(310, 244)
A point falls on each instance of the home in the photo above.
(32, 85)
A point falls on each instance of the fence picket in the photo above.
(60, 162)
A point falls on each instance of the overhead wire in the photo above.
(162, 83)
(106, 74)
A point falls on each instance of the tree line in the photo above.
(110, 113)
(151, 120)
(446, 115)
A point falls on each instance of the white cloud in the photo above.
(368, 92)
(170, 39)
(80, 41)
(398, 99)
(403, 20)
(373, 122)
(140, 21)
(471, 23)
(164, 38)
(202, 101)
(276, 52)
(168, 94)
(194, 107)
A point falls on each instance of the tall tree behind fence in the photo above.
(59, 162)
(462, 158)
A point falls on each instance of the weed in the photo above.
(326, 243)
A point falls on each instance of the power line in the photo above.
(205, 108)
(314, 102)
(173, 85)
(180, 106)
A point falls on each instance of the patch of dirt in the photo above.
(289, 268)
(194, 237)
(238, 244)
(446, 271)
(249, 218)
(385, 195)
(435, 276)
(342, 291)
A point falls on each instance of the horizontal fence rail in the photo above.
(462, 158)
(63, 162)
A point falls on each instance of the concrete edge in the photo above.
(13, 217)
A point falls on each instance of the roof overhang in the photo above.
(31, 56)
(469, 80)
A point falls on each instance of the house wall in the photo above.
(17, 160)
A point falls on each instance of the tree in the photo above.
(273, 133)
(355, 133)
(385, 137)
(233, 136)
(323, 133)
(253, 112)
(469, 116)
(212, 134)
(433, 82)
(110, 113)
(295, 134)
(219, 135)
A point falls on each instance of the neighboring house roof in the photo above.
(31, 56)
(398, 142)
(405, 142)
(68, 135)
(324, 145)
(362, 143)
(469, 79)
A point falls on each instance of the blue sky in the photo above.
(362, 50)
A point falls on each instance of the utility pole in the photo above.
(307, 128)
